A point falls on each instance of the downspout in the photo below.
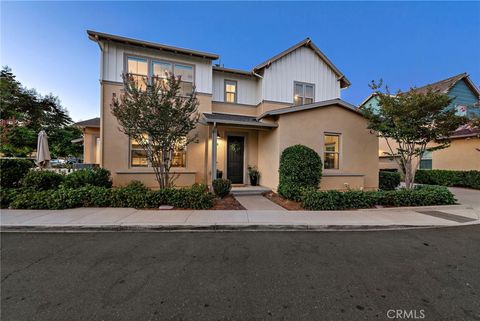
(214, 151)
(102, 136)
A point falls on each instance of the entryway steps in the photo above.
(249, 190)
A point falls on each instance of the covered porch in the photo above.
(233, 148)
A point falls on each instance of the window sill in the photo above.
(327, 173)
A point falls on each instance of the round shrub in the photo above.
(388, 181)
(222, 187)
(300, 168)
(88, 177)
(13, 170)
(42, 180)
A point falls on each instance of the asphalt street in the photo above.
(427, 274)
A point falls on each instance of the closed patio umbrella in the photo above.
(43, 153)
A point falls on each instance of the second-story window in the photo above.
(303, 93)
(160, 69)
(145, 69)
(230, 91)
(138, 69)
(186, 74)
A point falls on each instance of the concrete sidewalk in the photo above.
(125, 218)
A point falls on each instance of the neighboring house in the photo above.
(247, 117)
(464, 151)
(91, 140)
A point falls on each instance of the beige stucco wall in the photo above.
(265, 106)
(269, 157)
(359, 148)
(463, 154)
(90, 135)
(116, 149)
(226, 108)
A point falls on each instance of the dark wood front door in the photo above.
(235, 150)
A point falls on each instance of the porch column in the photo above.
(214, 152)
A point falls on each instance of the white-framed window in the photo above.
(144, 69)
(138, 157)
(303, 93)
(331, 151)
(138, 69)
(230, 91)
(186, 74)
(426, 160)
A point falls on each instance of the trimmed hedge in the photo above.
(196, 197)
(300, 168)
(13, 170)
(88, 176)
(42, 180)
(388, 181)
(336, 200)
(221, 187)
(469, 179)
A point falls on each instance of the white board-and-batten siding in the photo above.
(114, 55)
(247, 88)
(302, 65)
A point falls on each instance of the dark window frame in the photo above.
(225, 92)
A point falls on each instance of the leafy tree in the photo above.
(158, 118)
(412, 120)
(60, 141)
(24, 113)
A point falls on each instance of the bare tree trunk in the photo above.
(408, 174)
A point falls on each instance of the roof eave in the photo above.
(99, 36)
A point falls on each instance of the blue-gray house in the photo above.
(464, 151)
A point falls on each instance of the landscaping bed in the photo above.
(283, 202)
(355, 199)
(227, 203)
(43, 189)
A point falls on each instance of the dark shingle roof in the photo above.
(230, 119)
(445, 85)
(466, 131)
(94, 122)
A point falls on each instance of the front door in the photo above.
(235, 150)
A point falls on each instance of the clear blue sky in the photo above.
(406, 44)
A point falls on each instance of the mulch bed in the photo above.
(227, 203)
(283, 202)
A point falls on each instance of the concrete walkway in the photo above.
(258, 203)
(466, 196)
(124, 218)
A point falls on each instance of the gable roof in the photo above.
(344, 82)
(466, 131)
(94, 122)
(324, 103)
(445, 85)
(98, 36)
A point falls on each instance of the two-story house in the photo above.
(248, 117)
(464, 150)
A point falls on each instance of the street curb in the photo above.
(210, 228)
